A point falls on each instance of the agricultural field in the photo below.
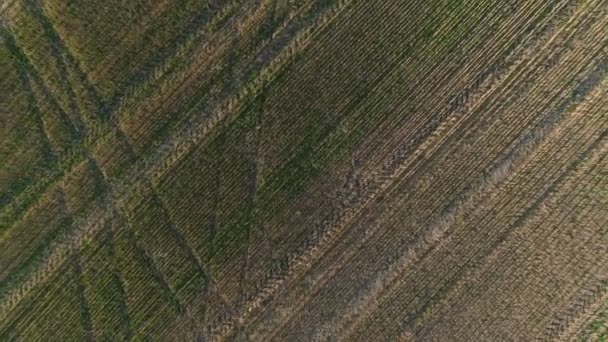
(303, 170)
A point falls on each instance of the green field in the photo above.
(303, 170)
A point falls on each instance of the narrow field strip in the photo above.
(104, 289)
(101, 131)
(515, 276)
(83, 232)
(582, 308)
(97, 131)
(85, 312)
(439, 227)
(49, 67)
(589, 124)
(24, 72)
(272, 325)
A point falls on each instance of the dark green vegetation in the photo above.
(302, 170)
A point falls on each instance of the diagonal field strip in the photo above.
(471, 287)
(58, 49)
(190, 251)
(254, 218)
(95, 132)
(580, 315)
(598, 118)
(84, 308)
(101, 130)
(351, 251)
(133, 94)
(304, 170)
(117, 276)
(25, 72)
(439, 227)
(174, 151)
(443, 292)
(330, 325)
(572, 320)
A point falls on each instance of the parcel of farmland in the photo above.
(304, 170)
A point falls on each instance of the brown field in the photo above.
(304, 170)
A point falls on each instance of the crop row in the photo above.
(24, 147)
(39, 42)
(341, 137)
(85, 96)
(62, 122)
(276, 200)
(551, 256)
(113, 170)
(404, 139)
(112, 56)
(100, 132)
(472, 239)
(53, 310)
(409, 215)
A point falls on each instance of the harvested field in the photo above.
(310, 170)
